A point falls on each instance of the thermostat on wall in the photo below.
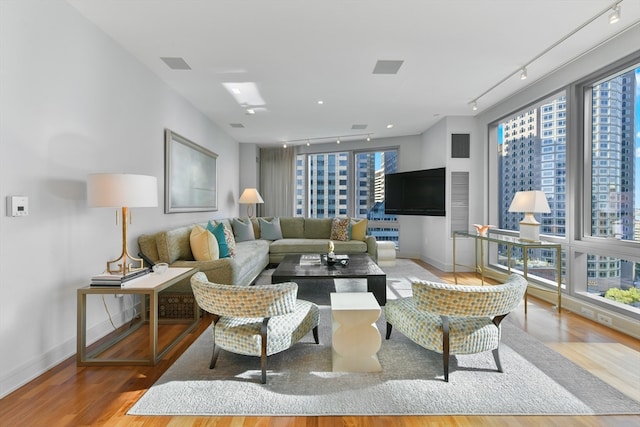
(17, 206)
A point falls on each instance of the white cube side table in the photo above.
(386, 254)
(355, 339)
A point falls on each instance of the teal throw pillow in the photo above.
(242, 230)
(218, 232)
(270, 230)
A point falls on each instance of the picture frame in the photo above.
(191, 176)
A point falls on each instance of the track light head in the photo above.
(614, 16)
(474, 105)
(523, 73)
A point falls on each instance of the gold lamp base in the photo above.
(125, 263)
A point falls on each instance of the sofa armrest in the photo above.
(218, 271)
(372, 248)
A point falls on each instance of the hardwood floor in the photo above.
(68, 395)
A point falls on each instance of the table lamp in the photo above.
(113, 190)
(250, 197)
(530, 202)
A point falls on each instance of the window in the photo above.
(618, 213)
(614, 186)
(536, 163)
(327, 187)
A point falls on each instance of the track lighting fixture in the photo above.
(523, 73)
(613, 10)
(614, 16)
(326, 139)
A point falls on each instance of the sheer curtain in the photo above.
(277, 181)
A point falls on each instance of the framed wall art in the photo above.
(191, 176)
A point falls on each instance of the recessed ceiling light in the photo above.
(251, 111)
(320, 102)
(389, 126)
(245, 93)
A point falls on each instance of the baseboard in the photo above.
(32, 369)
(616, 321)
(610, 319)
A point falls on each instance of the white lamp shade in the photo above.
(114, 190)
(250, 196)
(530, 201)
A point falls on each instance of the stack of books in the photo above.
(115, 279)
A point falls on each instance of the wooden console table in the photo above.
(149, 285)
(510, 243)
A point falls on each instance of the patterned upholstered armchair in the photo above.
(455, 319)
(255, 320)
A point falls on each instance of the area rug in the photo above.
(536, 381)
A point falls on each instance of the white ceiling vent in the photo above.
(387, 67)
(176, 63)
(236, 125)
(358, 127)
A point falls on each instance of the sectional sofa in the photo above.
(254, 253)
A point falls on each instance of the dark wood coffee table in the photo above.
(359, 266)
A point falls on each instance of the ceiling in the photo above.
(294, 53)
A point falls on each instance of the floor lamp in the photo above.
(112, 190)
(250, 197)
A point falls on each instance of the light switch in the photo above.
(17, 206)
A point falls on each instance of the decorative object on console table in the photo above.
(530, 202)
(482, 229)
(112, 190)
(250, 197)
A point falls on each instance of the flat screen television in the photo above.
(415, 193)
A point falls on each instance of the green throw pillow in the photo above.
(270, 230)
(242, 230)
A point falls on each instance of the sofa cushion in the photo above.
(149, 247)
(358, 229)
(218, 231)
(317, 228)
(204, 245)
(228, 234)
(292, 228)
(316, 246)
(242, 230)
(270, 230)
(340, 229)
(174, 245)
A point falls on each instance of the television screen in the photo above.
(416, 192)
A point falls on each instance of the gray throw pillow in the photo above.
(243, 230)
(270, 230)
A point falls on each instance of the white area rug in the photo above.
(536, 381)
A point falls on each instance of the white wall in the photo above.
(72, 103)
